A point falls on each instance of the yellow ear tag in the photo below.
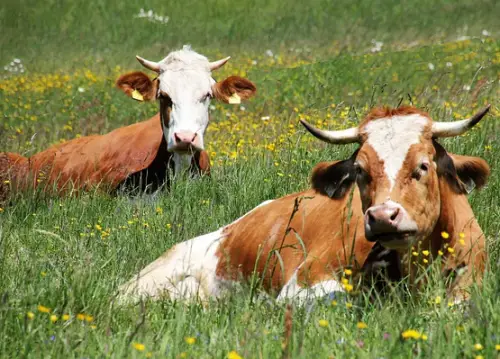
(136, 95)
(235, 99)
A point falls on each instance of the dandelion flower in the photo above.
(53, 318)
(80, 316)
(438, 300)
(415, 254)
(361, 325)
(348, 305)
(190, 340)
(323, 323)
(440, 252)
(411, 334)
(139, 346)
(425, 253)
(233, 355)
(461, 235)
(65, 317)
(445, 235)
(43, 309)
(30, 315)
(348, 272)
(348, 287)
(478, 346)
(89, 318)
(497, 347)
(451, 250)
(479, 357)
(334, 303)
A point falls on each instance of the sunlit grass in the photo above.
(61, 260)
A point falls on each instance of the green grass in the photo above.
(57, 252)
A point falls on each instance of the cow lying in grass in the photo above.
(399, 189)
(144, 154)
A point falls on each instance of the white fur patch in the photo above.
(293, 290)
(392, 137)
(187, 271)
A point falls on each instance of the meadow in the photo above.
(62, 259)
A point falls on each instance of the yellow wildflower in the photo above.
(348, 272)
(89, 318)
(425, 261)
(334, 303)
(139, 346)
(348, 287)
(6, 181)
(323, 323)
(451, 250)
(415, 254)
(233, 355)
(345, 281)
(361, 325)
(43, 309)
(445, 235)
(478, 346)
(183, 355)
(30, 315)
(80, 316)
(348, 305)
(440, 252)
(497, 347)
(53, 318)
(65, 317)
(98, 227)
(423, 337)
(462, 242)
(411, 334)
(438, 300)
(190, 340)
(461, 235)
(425, 253)
(149, 355)
(479, 357)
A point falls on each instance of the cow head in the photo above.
(184, 86)
(398, 168)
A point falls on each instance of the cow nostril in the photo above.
(395, 214)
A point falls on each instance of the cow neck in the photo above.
(455, 217)
(182, 162)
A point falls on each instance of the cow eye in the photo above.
(421, 170)
(205, 97)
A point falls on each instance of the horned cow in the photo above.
(399, 189)
(144, 154)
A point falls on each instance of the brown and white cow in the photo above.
(140, 154)
(399, 189)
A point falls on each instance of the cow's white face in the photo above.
(187, 93)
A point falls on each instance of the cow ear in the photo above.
(472, 171)
(463, 173)
(226, 90)
(138, 85)
(334, 179)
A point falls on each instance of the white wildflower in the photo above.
(377, 46)
(269, 53)
(431, 66)
(466, 88)
(242, 108)
(81, 90)
(449, 64)
(265, 118)
(486, 33)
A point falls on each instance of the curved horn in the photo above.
(336, 137)
(153, 66)
(214, 65)
(456, 128)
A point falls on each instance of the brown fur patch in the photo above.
(234, 84)
(138, 81)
